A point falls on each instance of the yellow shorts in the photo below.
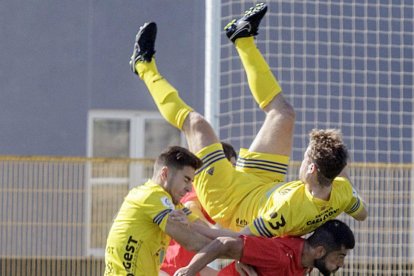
(233, 196)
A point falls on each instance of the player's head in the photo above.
(230, 153)
(174, 169)
(325, 157)
(331, 243)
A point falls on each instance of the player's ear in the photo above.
(320, 251)
(164, 173)
(312, 168)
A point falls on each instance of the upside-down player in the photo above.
(253, 196)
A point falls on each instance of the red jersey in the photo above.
(270, 256)
(176, 255)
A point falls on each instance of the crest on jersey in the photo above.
(354, 193)
(167, 202)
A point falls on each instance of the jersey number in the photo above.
(278, 224)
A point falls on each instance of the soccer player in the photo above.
(325, 249)
(253, 196)
(142, 228)
(177, 256)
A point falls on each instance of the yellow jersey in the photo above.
(290, 209)
(137, 240)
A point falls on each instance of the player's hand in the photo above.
(179, 216)
(184, 271)
(245, 270)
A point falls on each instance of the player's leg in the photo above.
(275, 136)
(214, 180)
(197, 130)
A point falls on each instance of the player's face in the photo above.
(331, 262)
(180, 182)
(304, 166)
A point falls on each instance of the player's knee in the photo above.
(289, 111)
(282, 112)
(196, 123)
(280, 107)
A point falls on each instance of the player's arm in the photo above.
(212, 233)
(200, 227)
(357, 208)
(221, 247)
(184, 235)
(246, 231)
(361, 215)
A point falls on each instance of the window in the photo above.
(110, 137)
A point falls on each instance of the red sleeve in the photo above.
(207, 216)
(189, 196)
(176, 257)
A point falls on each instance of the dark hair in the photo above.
(229, 151)
(328, 152)
(333, 235)
(177, 158)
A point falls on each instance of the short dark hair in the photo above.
(177, 157)
(328, 152)
(229, 151)
(333, 235)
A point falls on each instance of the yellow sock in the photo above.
(262, 82)
(166, 97)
